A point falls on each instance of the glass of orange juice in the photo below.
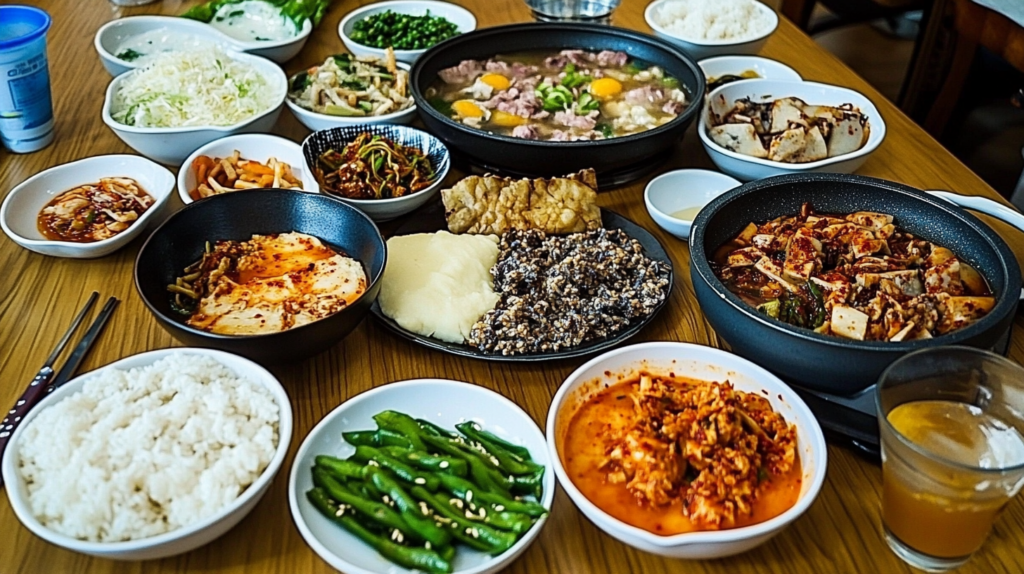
(951, 421)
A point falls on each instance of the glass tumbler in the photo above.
(593, 11)
(951, 423)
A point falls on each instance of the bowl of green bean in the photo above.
(410, 27)
(425, 475)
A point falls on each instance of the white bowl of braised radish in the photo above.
(244, 161)
(776, 450)
(87, 208)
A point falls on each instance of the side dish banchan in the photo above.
(670, 454)
(94, 212)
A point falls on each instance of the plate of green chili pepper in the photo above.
(431, 475)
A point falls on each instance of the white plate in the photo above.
(437, 400)
(765, 68)
(702, 363)
(175, 541)
(21, 207)
(257, 147)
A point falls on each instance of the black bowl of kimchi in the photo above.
(181, 240)
(616, 159)
(826, 362)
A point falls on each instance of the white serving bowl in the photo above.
(457, 15)
(177, 541)
(765, 68)
(440, 401)
(111, 35)
(748, 168)
(677, 190)
(316, 121)
(172, 145)
(380, 209)
(20, 210)
(699, 48)
(702, 363)
(258, 147)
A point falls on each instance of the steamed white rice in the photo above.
(141, 452)
(713, 19)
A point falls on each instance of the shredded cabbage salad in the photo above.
(192, 88)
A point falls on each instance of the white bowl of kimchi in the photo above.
(798, 434)
(184, 102)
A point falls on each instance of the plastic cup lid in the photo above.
(21, 24)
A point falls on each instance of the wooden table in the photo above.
(39, 295)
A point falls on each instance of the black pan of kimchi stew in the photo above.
(826, 279)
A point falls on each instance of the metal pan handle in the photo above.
(987, 206)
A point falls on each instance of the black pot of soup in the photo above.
(826, 279)
(550, 99)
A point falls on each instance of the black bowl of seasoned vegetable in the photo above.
(273, 275)
(550, 99)
(874, 270)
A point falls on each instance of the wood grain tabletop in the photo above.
(39, 295)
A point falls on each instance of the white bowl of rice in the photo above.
(183, 100)
(705, 28)
(151, 456)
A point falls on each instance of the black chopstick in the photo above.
(45, 380)
(84, 346)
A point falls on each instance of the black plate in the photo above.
(431, 219)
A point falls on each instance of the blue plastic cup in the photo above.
(26, 108)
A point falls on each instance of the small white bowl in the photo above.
(702, 363)
(700, 49)
(748, 168)
(258, 147)
(316, 121)
(380, 209)
(677, 190)
(112, 35)
(20, 210)
(176, 541)
(765, 68)
(440, 401)
(457, 15)
(172, 145)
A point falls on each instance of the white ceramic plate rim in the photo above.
(408, 386)
(271, 71)
(201, 28)
(388, 4)
(299, 110)
(703, 172)
(140, 223)
(703, 537)
(649, 16)
(24, 513)
(875, 138)
(186, 167)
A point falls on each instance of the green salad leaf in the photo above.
(297, 11)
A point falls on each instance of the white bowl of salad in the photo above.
(183, 100)
(346, 91)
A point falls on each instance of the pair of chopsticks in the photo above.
(46, 380)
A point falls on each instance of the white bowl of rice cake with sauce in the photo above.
(151, 456)
(181, 101)
(664, 488)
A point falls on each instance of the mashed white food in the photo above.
(713, 19)
(438, 284)
(192, 88)
(141, 452)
